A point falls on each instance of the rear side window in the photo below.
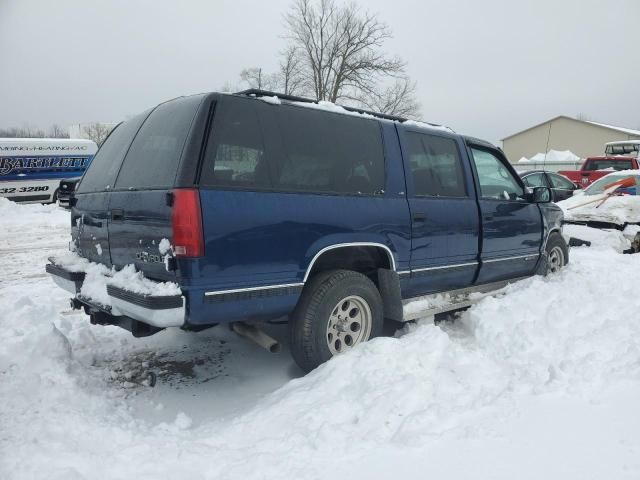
(152, 160)
(105, 165)
(287, 148)
(560, 182)
(436, 166)
(235, 155)
(329, 153)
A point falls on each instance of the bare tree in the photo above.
(97, 132)
(56, 131)
(397, 99)
(340, 48)
(335, 54)
(255, 78)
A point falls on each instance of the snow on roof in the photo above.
(621, 129)
(624, 142)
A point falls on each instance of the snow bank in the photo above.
(16, 215)
(552, 156)
(417, 405)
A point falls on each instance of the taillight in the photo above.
(186, 223)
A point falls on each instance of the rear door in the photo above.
(140, 204)
(511, 226)
(445, 221)
(90, 214)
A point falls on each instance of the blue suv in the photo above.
(262, 208)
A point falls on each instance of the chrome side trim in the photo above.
(443, 267)
(404, 272)
(351, 244)
(503, 259)
(253, 289)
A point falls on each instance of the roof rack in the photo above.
(292, 98)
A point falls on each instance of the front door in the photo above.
(445, 227)
(511, 225)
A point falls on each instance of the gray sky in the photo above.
(486, 68)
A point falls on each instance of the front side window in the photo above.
(435, 165)
(535, 180)
(496, 181)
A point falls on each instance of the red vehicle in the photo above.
(594, 168)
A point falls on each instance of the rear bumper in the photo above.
(157, 311)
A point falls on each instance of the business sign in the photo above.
(9, 165)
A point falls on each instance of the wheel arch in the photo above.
(340, 248)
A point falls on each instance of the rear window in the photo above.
(152, 160)
(103, 170)
(608, 165)
(254, 145)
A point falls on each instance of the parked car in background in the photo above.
(624, 147)
(248, 208)
(594, 168)
(65, 192)
(31, 168)
(561, 187)
(610, 204)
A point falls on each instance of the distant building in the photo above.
(584, 138)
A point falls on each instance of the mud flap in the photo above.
(389, 286)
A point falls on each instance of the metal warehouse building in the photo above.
(583, 138)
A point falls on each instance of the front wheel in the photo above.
(556, 255)
(337, 311)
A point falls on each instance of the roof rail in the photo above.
(292, 98)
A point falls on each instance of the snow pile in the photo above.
(619, 210)
(491, 392)
(552, 156)
(134, 281)
(15, 216)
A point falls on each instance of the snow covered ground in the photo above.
(540, 382)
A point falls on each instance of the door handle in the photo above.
(419, 217)
(117, 215)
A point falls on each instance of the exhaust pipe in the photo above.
(257, 336)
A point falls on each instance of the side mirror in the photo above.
(541, 195)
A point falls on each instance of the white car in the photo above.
(602, 206)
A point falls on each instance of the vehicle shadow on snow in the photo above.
(213, 371)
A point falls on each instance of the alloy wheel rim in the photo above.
(556, 259)
(349, 324)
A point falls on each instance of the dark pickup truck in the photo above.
(250, 208)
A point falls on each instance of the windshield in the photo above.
(608, 165)
(598, 186)
(622, 149)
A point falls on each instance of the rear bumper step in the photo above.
(155, 310)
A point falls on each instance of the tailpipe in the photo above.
(257, 336)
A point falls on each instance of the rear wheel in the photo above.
(337, 311)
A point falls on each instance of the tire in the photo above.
(556, 255)
(336, 311)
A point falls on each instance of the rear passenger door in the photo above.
(140, 208)
(511, 226)
(445, 222)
